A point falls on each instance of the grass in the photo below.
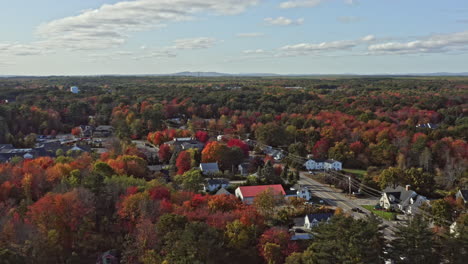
(359, 173)
(385, 215)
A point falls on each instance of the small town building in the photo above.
(313, 220)
(331, 164)
(74, 89)
(402, 199)
(462, 194)
(211, 185)
(209, 168)
(103, 131)
(248, 193)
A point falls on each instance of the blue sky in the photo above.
(76, 37)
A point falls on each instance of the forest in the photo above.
(75, 207)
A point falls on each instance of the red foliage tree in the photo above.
(71, 215)
(183, 162)
(320, 149)
(76, 131)
(280, 237)
(164, 153)
(202, 136)
(234, 142)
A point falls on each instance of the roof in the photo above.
(331, 161)
(252, 191)
(217, 181)
(464, 194)
(209, 167)
(223, 191)
(319, 217)
(400, 193)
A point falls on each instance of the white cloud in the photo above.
(18, 49)
(368, 38)
(301, 3)
(303, 49)
(194, 43)
(351, 2)
(349, 19)
(257, 51)
(111, 24)
(432, 44)
(163, 53)
(283, 21)
(250, 35)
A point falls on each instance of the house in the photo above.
(74, 89)
(86, 131)
(215, 184)
(302, 191)
(209, 168)
(243, 168)
(248, 193)
(312, 220)
(427, 125)
(331, 164)
(462, 194)
(223, 191)
(180, 144)
(103, 131)
(274, 153)
(402, 199)
(310, 165)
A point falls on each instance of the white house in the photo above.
(402, 199)
(312, 220)
(310, 165)
(74, 89)
(332, 165)
(215, 184)
(302, 192)
(209, 168)
(314, 164)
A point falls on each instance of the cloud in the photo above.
(17, 49)
(349, 19)
(257, 51)
(250, 35)
(368, 38)
(303, 49)
(194, 43)
(301, 3)
(433, 44)
(157, 54)
(351, 2)
(283, 21)
(111, 24)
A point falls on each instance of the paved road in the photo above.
(336, 199)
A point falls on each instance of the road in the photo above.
(336, 199)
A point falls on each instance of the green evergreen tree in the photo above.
(414, 243)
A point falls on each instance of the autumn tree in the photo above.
(183, 162)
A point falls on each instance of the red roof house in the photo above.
(248, 193)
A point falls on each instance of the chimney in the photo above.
(408, 187)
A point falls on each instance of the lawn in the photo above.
(359, 173)
(386, 215)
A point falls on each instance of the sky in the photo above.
(95, 37)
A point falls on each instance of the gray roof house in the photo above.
(215, 184)
(462, 194)
(209, 168)
(185, 144)
(312, 220)
(402, 199)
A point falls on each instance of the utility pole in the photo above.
(349, 178)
